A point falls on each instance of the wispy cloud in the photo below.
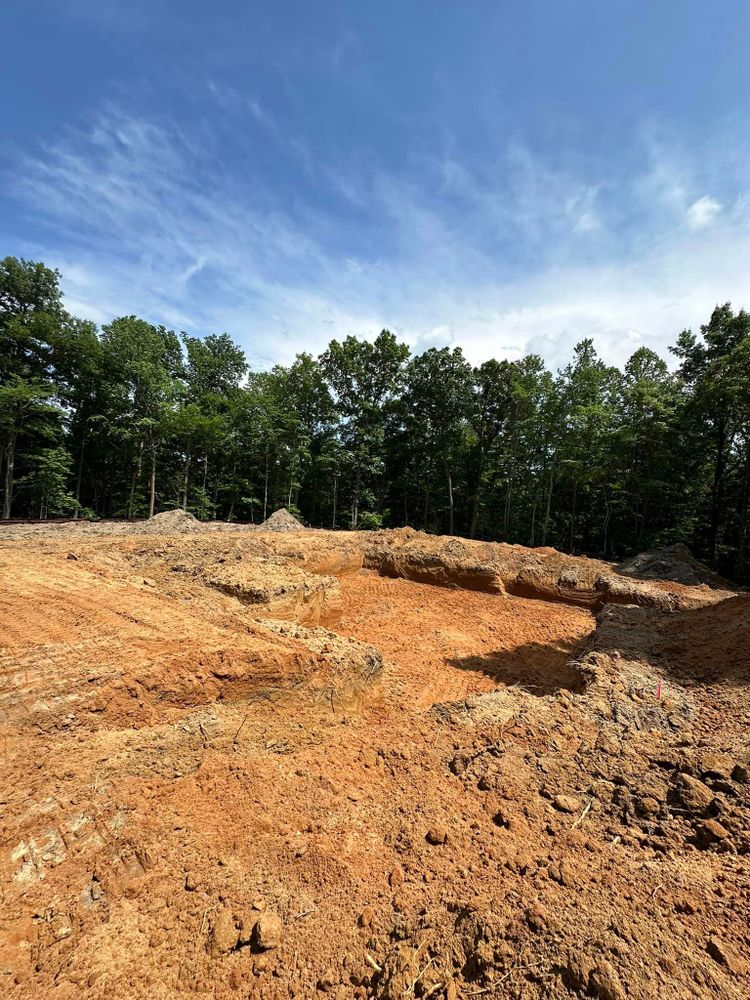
(516, 256)
(702, 212)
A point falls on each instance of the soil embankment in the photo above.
(275, 764)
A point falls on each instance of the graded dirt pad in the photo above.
(453, 789)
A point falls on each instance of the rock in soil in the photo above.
(268, 930)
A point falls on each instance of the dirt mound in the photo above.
(712, 643)
(171, 522)
(281, 520)
(543, 573)
(675, 563)
(419, 801)
(279, 590)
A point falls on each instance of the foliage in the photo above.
(134, 418)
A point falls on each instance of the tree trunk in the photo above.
(335, 497)
(355, 501)
(475, 502)
(573, 517)
(265, 486)
(607, 518)
(742, 543)
(450, 504)
(506, 513)
(10, 460)
(186, 480)
(79, 475)
(717, 486)
(545, 526)
(136, 474)
(152, 486)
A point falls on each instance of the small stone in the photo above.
(437, 835)
(268, 930)
(604, 983)
(725, 955)
(366, 917)
(710, 831)
(741, 770)
(715, 765)
(73, 556)
(566, 803)
(647, 806)
(396, 877)
(458, 764)
(537, 918)
(62, 927)
(225, 934)
(192, 881)
(692, 794)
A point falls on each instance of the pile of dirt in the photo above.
(171, 522)
(675, 563)
(279, 590)
(281, 520)
(418, 801)
(541, 573)
(711, 643)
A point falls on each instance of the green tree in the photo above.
(711, 374)
(365, 378)
(143, 363)
(30, 317)
(439, 392)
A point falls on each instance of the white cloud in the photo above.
(702, 212)
(519, 258)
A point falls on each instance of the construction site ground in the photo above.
(275, 764)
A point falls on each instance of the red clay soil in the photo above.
(447, 793)
(449, 644)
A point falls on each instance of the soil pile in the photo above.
(711, 643)
(171, 522)
(675, 563)
(541, 573)
(281, 520)
(200, 798)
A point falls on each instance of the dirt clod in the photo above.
(269, 930)
(692, 794)
(224, 934)
(725, 954)
(437, 835)
(604, 983)
(566, 803)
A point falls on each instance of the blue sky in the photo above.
(506, 176)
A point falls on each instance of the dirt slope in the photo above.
(449, 791)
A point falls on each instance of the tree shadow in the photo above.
(535, 667)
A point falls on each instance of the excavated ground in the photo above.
(239, 764)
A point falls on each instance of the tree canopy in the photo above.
(135, 418)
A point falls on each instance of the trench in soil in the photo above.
(447, 644)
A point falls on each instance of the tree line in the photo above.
(133, 418)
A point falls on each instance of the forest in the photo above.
(133, 419)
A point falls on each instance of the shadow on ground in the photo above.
(537, 668)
